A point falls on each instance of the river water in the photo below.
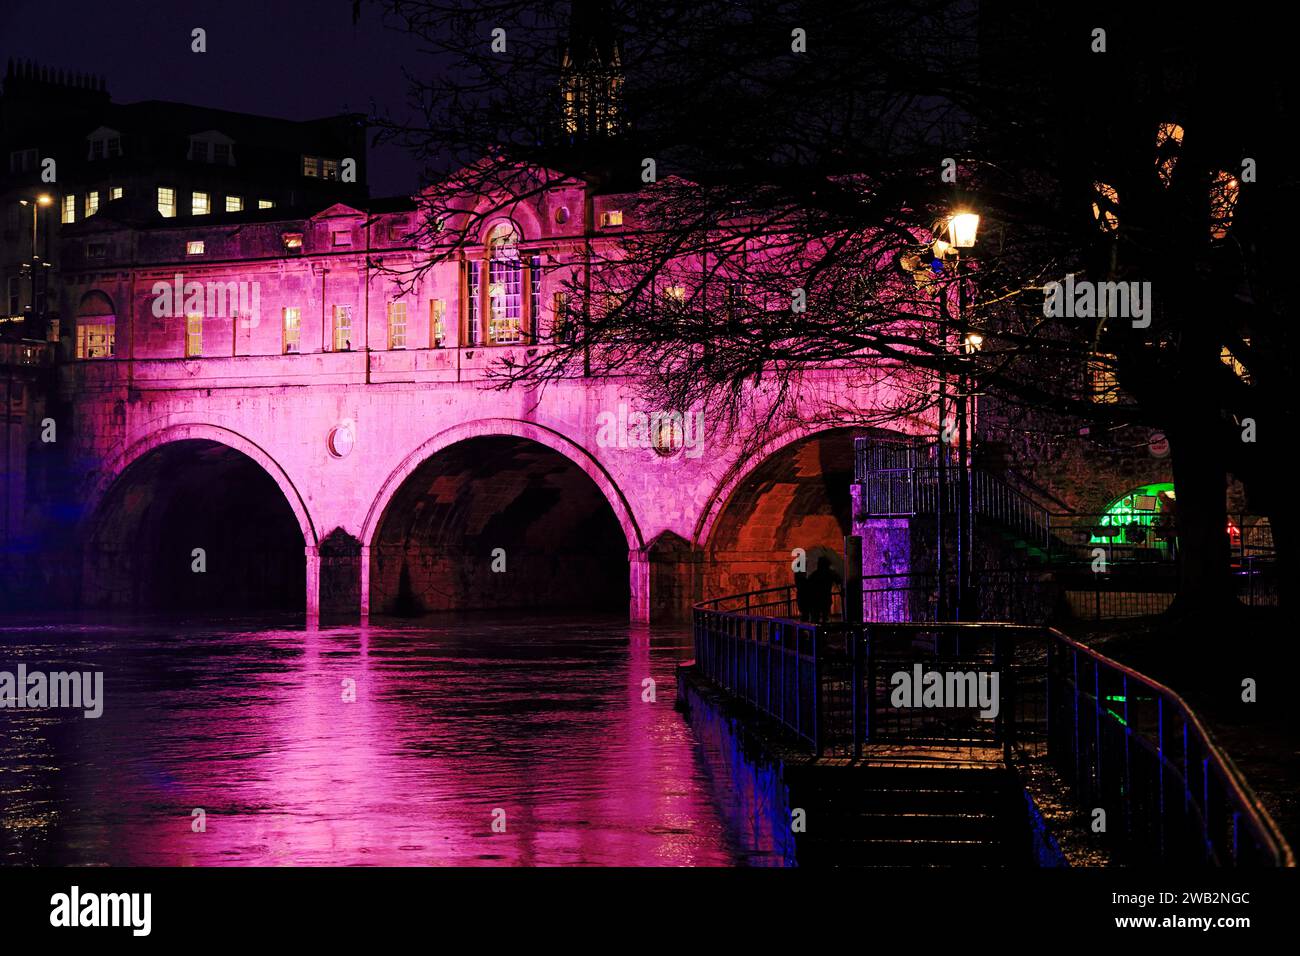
(411, 744)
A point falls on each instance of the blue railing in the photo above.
(1122, 742)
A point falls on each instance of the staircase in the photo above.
(912, 813)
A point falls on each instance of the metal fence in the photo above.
(1124, 743)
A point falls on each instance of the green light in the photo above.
(1123, 513)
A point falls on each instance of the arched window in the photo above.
(512, 280)
(505, 286)
(96, 326)
(1140, 518)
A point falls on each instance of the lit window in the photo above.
(200, 204)
(561, 328)
(397, 325)
(1230, 360)
(193, 335)
(473, 303)
(292, 331)
(1105, 207)
(95, 341)
(505, 286)
(611, 217)
(437, 322)
(310, 166)
(1103, 379)
(166, 202)
(69, 209)
(115, 193)
(234, 204)
(1169, 140)
(329, 168)
(92, 203)
(342, 237)
(1224, 190)
(293, 240)
(194, 247)
(265, 204)
(342, 328)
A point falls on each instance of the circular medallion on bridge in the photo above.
(341, 439)
(668, 437)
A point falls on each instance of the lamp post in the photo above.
(962, 229)
(43, 199)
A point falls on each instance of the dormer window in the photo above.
(104, 143)
(212, 147)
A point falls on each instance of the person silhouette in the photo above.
(820, 588)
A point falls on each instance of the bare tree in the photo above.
(790, 161)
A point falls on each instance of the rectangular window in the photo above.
(437, 322)
(265, 204)
(195, 247)
(560, 327)
(292, 240)
(474, 306)
(193, 334)
(329, 168)
(115, 146)
(234, 204)
(397, 230)
(92, 203)
(611, 217)
(310, 166)
(221, 153)
(69, 209)
(535, 285)
(342, 328)
(23, 160)
(342, 237)
(199, 150)
(96, 250)
(95, 341)
(505, 301)
(397, 325)
(96, 149)
(1103, 382)
(200, 204)
(167, 202)
(292, 331)
(114, 192)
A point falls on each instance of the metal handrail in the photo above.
(823, 683)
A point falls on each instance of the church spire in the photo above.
(591, 74)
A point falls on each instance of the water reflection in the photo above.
(451, 724)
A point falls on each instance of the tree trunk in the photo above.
(1205, 588)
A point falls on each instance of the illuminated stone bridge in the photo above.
(338, 448)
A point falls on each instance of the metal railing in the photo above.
(1124, 743)
(1132, 747)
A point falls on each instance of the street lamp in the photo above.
(959, 232)
(44, 199)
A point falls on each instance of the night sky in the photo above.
(296, 60)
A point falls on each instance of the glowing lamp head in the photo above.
(962, 229)
(44, 199)
(974, 341)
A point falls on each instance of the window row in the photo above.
(201, 203)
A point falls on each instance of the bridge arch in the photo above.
(441, 514)
(196, 516)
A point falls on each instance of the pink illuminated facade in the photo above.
(297, 345)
